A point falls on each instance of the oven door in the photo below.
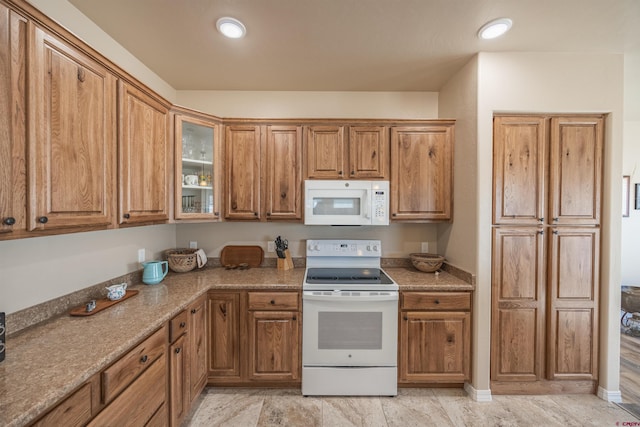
(347, 328)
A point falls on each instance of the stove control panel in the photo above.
(344, 248)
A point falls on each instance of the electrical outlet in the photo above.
(193, 245)
(425, 247)
(271, 246)
(141, 255)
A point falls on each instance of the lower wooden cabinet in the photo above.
(435, 337)
(75, 410)
(178, 380)
(254, 338)
(197, 347)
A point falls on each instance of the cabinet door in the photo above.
(178, 381)
(144, 151)
(13, 132)
(224, 335)
(325, 152)
(576, 170)
(421, 173)
(435, 346)
(198, 169)
(197, 347)
(243, 172)
(368, 152)
(574, 286)
(284, 172)
(517, 299)
(274, 345)
(72, 128)
(519, 160)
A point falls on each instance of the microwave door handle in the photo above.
(366, 212)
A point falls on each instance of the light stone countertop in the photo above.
(46, 362)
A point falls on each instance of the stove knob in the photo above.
(316, 247)
(375, 248)
(368, 248)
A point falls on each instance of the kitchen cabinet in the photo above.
(224, 336)
(197, 346)
(435, 337)
(178, 367)
(72, 136)
(13, 131)
(546, 249)
(274, 339)
(77, 409)
(274, 194)
(198, 166)
(364, 155)
(254, 338)
(143, 148)
(422, 172)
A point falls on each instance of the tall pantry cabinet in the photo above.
(547, 178)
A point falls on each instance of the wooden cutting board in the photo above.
(234, 255)
(102, 304)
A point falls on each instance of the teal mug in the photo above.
(154, 271)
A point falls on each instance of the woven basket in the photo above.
(428, 263)
(181, 260)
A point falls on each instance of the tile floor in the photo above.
(412, 407)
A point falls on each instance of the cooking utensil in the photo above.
(281, 246)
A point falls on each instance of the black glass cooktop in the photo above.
(373, 276)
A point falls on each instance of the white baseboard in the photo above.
(610, 396)
(478, 395)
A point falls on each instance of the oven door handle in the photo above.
(309, 296)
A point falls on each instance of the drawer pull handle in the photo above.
(126, 216)
(406, 318)
(437, 301)
(178, 350)
(272, 302)
(43, 220)
(450, 339)
(144, 359)
(294, 318)
(9, 221)
(183, 324)
(194, 311)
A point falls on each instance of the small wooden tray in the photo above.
(234, 255)
(101, 304)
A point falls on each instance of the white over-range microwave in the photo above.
(340, 202)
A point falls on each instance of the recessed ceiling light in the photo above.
(231, 27)
(494, 28)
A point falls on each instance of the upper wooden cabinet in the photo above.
(283, 192)
(364, 155)
(575, 182)
(242, 171)
(143, 157)
(252, 194)
(519, 160)
(422, 172)
(530, 151)
(13, 116)
(72, 130)
(198, 165)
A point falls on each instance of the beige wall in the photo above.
(521, 82)
(265, 104)
(39, 269)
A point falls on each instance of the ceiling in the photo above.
(350, 45)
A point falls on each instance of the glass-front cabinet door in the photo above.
(197, 169)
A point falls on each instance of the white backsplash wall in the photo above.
(398, 240)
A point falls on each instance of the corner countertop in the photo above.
(48, 361)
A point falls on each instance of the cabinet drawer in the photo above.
(73, 411)
(436, 301)
(178, 326)
(273, 301)
(141, 403)
(122, 373)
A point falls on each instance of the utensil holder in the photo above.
(285, 263)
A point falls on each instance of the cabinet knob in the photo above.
(272, 302)
(216, 213)
(9, 221)
(393, 214)
(450, 338)
(144, 359)
(437, 301)
(353, 172)
(234, 206)
(406, 318)
(283, 195)
(43, 220)
(126, 216)
(178, 350)
(339, 172)
(541, 219)
(182, 324)
(268, 213)
(294, 318)
(555, 219)
(194, 311)
(255, 214)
